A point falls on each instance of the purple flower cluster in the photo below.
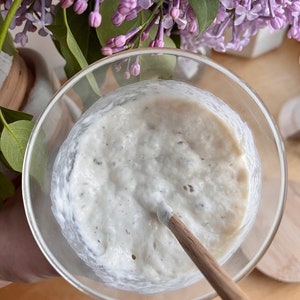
(236, 21)
(31, 16)
(80, 6)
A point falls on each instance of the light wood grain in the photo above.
(216, 276)
(275, 76)
(17, 85)
(282, 260)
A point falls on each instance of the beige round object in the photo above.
(282, 260)
(17, 85)
(289, 119)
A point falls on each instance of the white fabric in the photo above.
(5, 64)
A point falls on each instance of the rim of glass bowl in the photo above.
(111, 59)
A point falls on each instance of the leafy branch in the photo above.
(15, 129)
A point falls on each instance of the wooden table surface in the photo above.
(275, 76)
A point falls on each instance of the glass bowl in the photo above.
(108, 74)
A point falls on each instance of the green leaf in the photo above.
(7, 189)
(85, 36)
(13, 142)
(70, 49)
(61, 33)
(13, 115)
(206, 11)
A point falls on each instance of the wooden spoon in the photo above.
(226, 288)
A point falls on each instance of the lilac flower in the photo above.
(135, 68)
(80, 6)
(243, 13)
(95, 17)
(159, 38)
(234, 25)
(128, 10)
(66, 3)
(118, 18)
(33, 16)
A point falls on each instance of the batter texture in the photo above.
(141, 146)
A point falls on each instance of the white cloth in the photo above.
(5, 63)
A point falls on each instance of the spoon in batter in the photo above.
(226, 288)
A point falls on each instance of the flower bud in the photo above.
(66, 3)
(132, 15)
(111, 42)
(144, 36)
(95, 19)
(135, 68)
(21, 38)
(277, 23)
(144, 4)
(174, 12)
(107, 51)
(127, 74)
(117, 19)
(120, 41)
(80, 6)
(159, 43)
(192, 27)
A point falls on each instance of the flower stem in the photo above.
(7, 21)
(3, 119)
(154, 14)
(5, 124)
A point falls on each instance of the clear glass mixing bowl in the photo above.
(81, 91)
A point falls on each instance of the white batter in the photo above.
(160, 142)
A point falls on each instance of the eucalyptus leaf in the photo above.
(7, 189)
(206, 11)
(13, 142)
(13, 115)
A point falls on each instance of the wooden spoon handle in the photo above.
(220, 281)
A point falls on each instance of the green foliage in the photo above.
(12, 116)
(15, 129)
(13, 142)
(72, 47)
(206, 11)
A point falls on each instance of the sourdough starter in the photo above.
(153, 143)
